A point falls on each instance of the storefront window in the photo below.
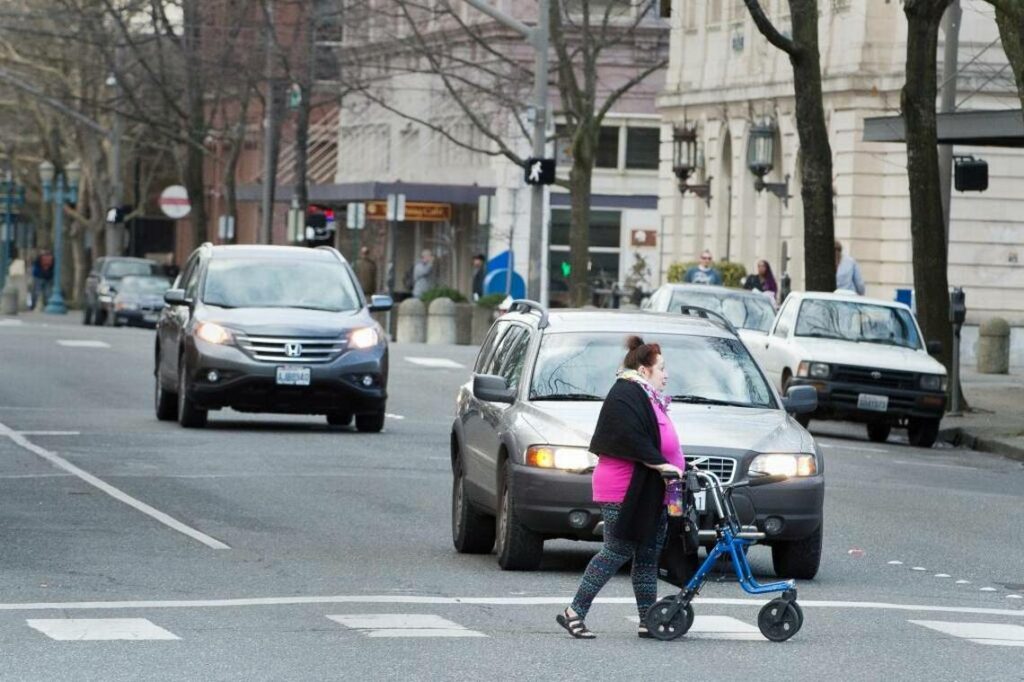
(605, 239)
(642, 148)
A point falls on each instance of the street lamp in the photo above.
(59, 189)
(687, 159)
(13, 197)
(761, 159)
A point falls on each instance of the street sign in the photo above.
(414, 211)
(539, 171)
(355, 216)
(396, 207)
(174, 202)
(483, 210)
(226, 227)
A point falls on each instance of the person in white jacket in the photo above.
(848, 272)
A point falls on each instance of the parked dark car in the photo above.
(104, 281)
(520, 439)
(139, 300)
(270, 329)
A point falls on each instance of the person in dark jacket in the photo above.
(479, 272)
(636, 443)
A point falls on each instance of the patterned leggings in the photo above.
(613, 556)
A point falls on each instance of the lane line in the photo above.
(998, 634)
(49, 433)
(858, 448)
(435, 363)
(117, 494)
(476, 601)
(81, 343)
(100, 629)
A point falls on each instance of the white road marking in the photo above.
(997, 634)
(10, 323)
(858, 448)
(93, 629)
(117, 494)
(943, 575)
(393, 416)
(49, 433)
(78, 343)
(963, 582)
(474, 601)
(919, 568)
(895, 563)
(988, 589)
(404, 625)
(718, 627)
(1014, 596)
(435, 363)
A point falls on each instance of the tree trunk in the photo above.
(816, 189)
(302, 150)
(926, 225)
(1011, 32)
(579, 218)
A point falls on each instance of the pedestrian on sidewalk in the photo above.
(42, 279)
(763, 280)
(423, 274)
(366, 271)
(479, 272)
(636, 443)
(703, 273)
(848, 272)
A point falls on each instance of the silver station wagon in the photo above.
(519, 443)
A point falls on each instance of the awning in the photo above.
(1003, 128)
(370, 191)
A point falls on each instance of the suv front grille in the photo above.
(869, 376)
(288, 349)
(723, 467)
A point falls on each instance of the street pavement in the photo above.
(276, 547)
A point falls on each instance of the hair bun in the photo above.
(634, 342)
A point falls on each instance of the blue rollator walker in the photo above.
(779, 619)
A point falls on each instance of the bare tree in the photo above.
(816, 180)
(1010, 20)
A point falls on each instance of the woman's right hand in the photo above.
(670, 469)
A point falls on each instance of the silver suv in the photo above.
(519, 442)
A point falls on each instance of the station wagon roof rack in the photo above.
(711, 315)
(525, 305)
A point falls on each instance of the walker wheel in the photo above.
(665, 625)
(780, 619)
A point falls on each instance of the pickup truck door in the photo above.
(777, 342)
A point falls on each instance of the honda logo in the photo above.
(293, 350)
(876, 375)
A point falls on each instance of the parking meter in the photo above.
(957, 314)
(957, 306)
(787, 286)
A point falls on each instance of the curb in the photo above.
(961, 437)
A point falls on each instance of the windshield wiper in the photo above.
(701, 400)
(567, 396)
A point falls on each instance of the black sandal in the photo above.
(574, 625)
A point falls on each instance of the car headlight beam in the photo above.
(563, 458)
(786, 464)
(211, 332)
(366, 337)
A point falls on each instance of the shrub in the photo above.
(442, 292)
(490, 301)
(732, 273)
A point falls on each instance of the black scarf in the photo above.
(627, 428)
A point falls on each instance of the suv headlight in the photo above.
(790, 465)
(933, 382)
(556, 457)
(363, 338)
(211, 332)
(816, 370)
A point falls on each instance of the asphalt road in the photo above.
(275, 547)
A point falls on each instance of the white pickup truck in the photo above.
(865, 357)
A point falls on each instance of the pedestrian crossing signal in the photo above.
(540, 171)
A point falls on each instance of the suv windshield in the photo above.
(273, 283)
(854, 321)
(745, 312)
(701, 369)
(145, 285)
(123, 268)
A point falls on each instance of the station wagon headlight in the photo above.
(933, 382)
(817, 370)
(788, 465)
(555, 457)
(363, 338)
(211, 332)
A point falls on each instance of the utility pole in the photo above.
(947, 101)
(539, 38)
(269, 126)
(114, 242)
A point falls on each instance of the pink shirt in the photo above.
(612, 475)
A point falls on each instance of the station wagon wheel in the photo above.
(472, 531)
(798, 558)
(519, 548)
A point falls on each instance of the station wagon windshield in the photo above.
(854, 321)
(701, 369)
(266, 283)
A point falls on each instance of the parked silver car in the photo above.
(519, 443)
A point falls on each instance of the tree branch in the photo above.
(768, 30)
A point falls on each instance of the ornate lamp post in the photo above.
(13, 196)
(687, 159)
(59, 189)
(761, 158)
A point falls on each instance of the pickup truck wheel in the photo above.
(878, 432)
(798, 559)
(922, 432)
(519, 548)
(472, 530)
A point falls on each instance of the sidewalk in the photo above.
(996, 420)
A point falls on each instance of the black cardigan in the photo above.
(627, 428)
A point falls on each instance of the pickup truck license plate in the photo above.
(293, 376)
(700, 500)
(875, 403)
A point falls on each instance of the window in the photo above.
(714, 9)
(861, 322)
(603, 254)
(689, 15)
(266, 283)
(785, 323)
(510, 355)
(563, 146)
(483, 359)
(642, 145)
(607, 155)
(665, 8)
(739, 11)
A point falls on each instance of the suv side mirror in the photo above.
(935, 348)
(493, 389)
(801, 400)
(380, 303)
(176, 297)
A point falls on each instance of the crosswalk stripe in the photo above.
(94, 629)
(435, 363)
(996, 634)
(718, 627)
(403, 625)
(75, 343)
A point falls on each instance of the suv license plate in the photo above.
(293, 376)
(875, 403)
